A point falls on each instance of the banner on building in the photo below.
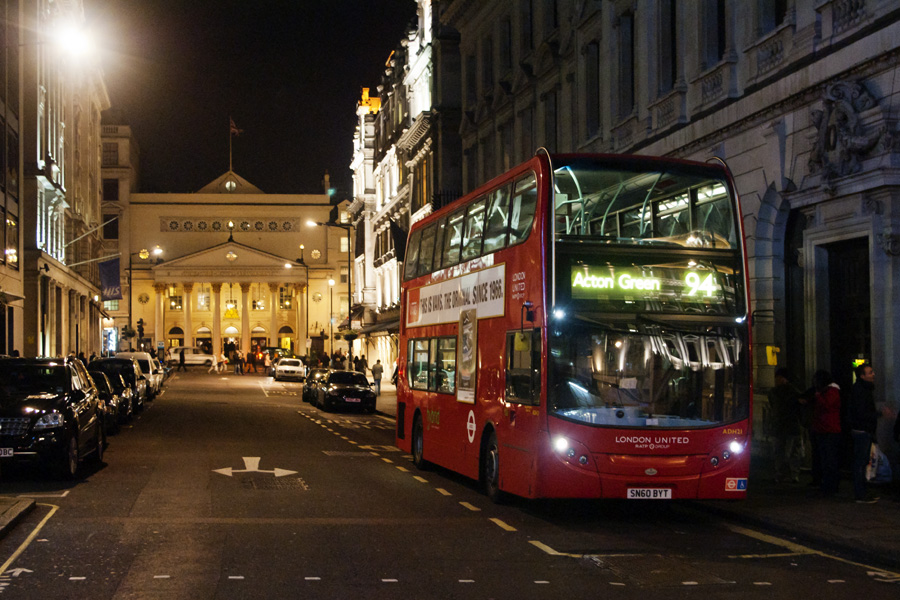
(111, 286)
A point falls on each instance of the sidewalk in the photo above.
(12, 510)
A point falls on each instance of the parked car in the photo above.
(290, 368)
(149, 370)
(111, 400)
(192, 356)
(313, 378)
(130, 371)
(50, 412)
(124, 391)
(345, 388)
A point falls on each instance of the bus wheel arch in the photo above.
(417, 442)
(489, 466)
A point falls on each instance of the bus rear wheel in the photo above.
(418, 445)
(490, 470)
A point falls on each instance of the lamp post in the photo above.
(331, 316)
(347, 227)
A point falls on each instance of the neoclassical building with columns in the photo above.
(222, 266)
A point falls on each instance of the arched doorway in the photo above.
(204, 339)
(175, 337)
(231, 340)
(286, 338)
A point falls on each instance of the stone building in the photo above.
(53, 98)
(406, 163)
(800, 98)
(220, 266)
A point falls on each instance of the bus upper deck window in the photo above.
(473, 230)
(412, 255)
(522, 210)
(452, 239)
(426, 250)
(497, 221)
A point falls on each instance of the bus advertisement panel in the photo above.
(578, 327)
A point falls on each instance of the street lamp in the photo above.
(331, 316)
(143, 254)
(347, 227)
(305, 266)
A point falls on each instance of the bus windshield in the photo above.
(648, 373)
(632, 202)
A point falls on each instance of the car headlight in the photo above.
(50, 421)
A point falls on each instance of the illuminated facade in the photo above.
(219, 267)
(54, 188)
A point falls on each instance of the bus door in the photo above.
(521, 419)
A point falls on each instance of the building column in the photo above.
(273, 314)
(159, 325)
(245, 318)
(216, 290)
(301, 325)
(186, 306)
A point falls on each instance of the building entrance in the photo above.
(849, 313)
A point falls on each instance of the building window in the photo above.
(345, 245)
(714, 37)
(528, 26)
(110, 227)
(487, 65)
(626, 65)
(284, 298)
(111, 190)
(668, 46)
(175, 300)
(110, 305)
(527, 120)
(12, 241)
(592, 89)
(505, 46)
(507, 146)
(471, 79)
(203, 297)
(550, 125)
(772, 14)
(110, 156)
(344, 275)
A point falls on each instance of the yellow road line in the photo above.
(29, 539)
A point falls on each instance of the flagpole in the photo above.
(230, 135)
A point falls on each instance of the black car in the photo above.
(111, 400)
(345, 388)
(313, 378)
(129, 370)
(50, 412)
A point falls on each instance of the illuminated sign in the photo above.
(609, 282)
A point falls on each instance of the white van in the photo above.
(192, 356)
(154, 374)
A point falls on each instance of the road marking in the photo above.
(551, 551)
(387, 460)
(389, 581)
(502, 525)
(404, 469)
(29, 539)
(797, 548)
(63, 495)
(422, 479)
(444, 492)
(235, 577)
(470, 507)
(467, 581)
(251, 465)
(542, 582)
(312, 579)
(77, 578)
(162, 577)
(836, 581)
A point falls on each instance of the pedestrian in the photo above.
(214, 365)
(223, 362)
(251, 361)
(15, 353)
(377, 370)
(826, 432)
(238, 363)
(267, 363)
(862, 420)
(181, 366)
(82, 358)
(396, 370)
(363, 364)
(784, 410)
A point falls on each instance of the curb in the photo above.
(13, 513)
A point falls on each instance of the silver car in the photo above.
(290, 368)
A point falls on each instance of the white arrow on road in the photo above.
(251, 465)
(17, 572)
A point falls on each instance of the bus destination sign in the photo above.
(650, 283)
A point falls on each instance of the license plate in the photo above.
(352, 399)
(6, 452)
(649, 494)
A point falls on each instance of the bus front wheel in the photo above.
(490, 470)
(418, 445)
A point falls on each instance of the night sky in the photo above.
(289, 72)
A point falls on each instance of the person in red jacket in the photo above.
(826, 433)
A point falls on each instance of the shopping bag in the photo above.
(873, 462)
(879, 468)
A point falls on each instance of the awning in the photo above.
(356, 313)
(386, 326)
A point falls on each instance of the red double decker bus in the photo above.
(578, 328)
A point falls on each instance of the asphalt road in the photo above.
(231, 487)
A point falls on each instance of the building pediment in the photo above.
(229, 183)
(229, 262)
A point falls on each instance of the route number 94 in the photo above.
(700, 285)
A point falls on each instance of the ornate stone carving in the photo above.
(842, 141)
(890, 243)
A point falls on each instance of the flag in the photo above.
(399, 237)
(234, 128)
(111, 287)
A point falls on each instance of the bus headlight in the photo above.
(736, 447)
(561, 444)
